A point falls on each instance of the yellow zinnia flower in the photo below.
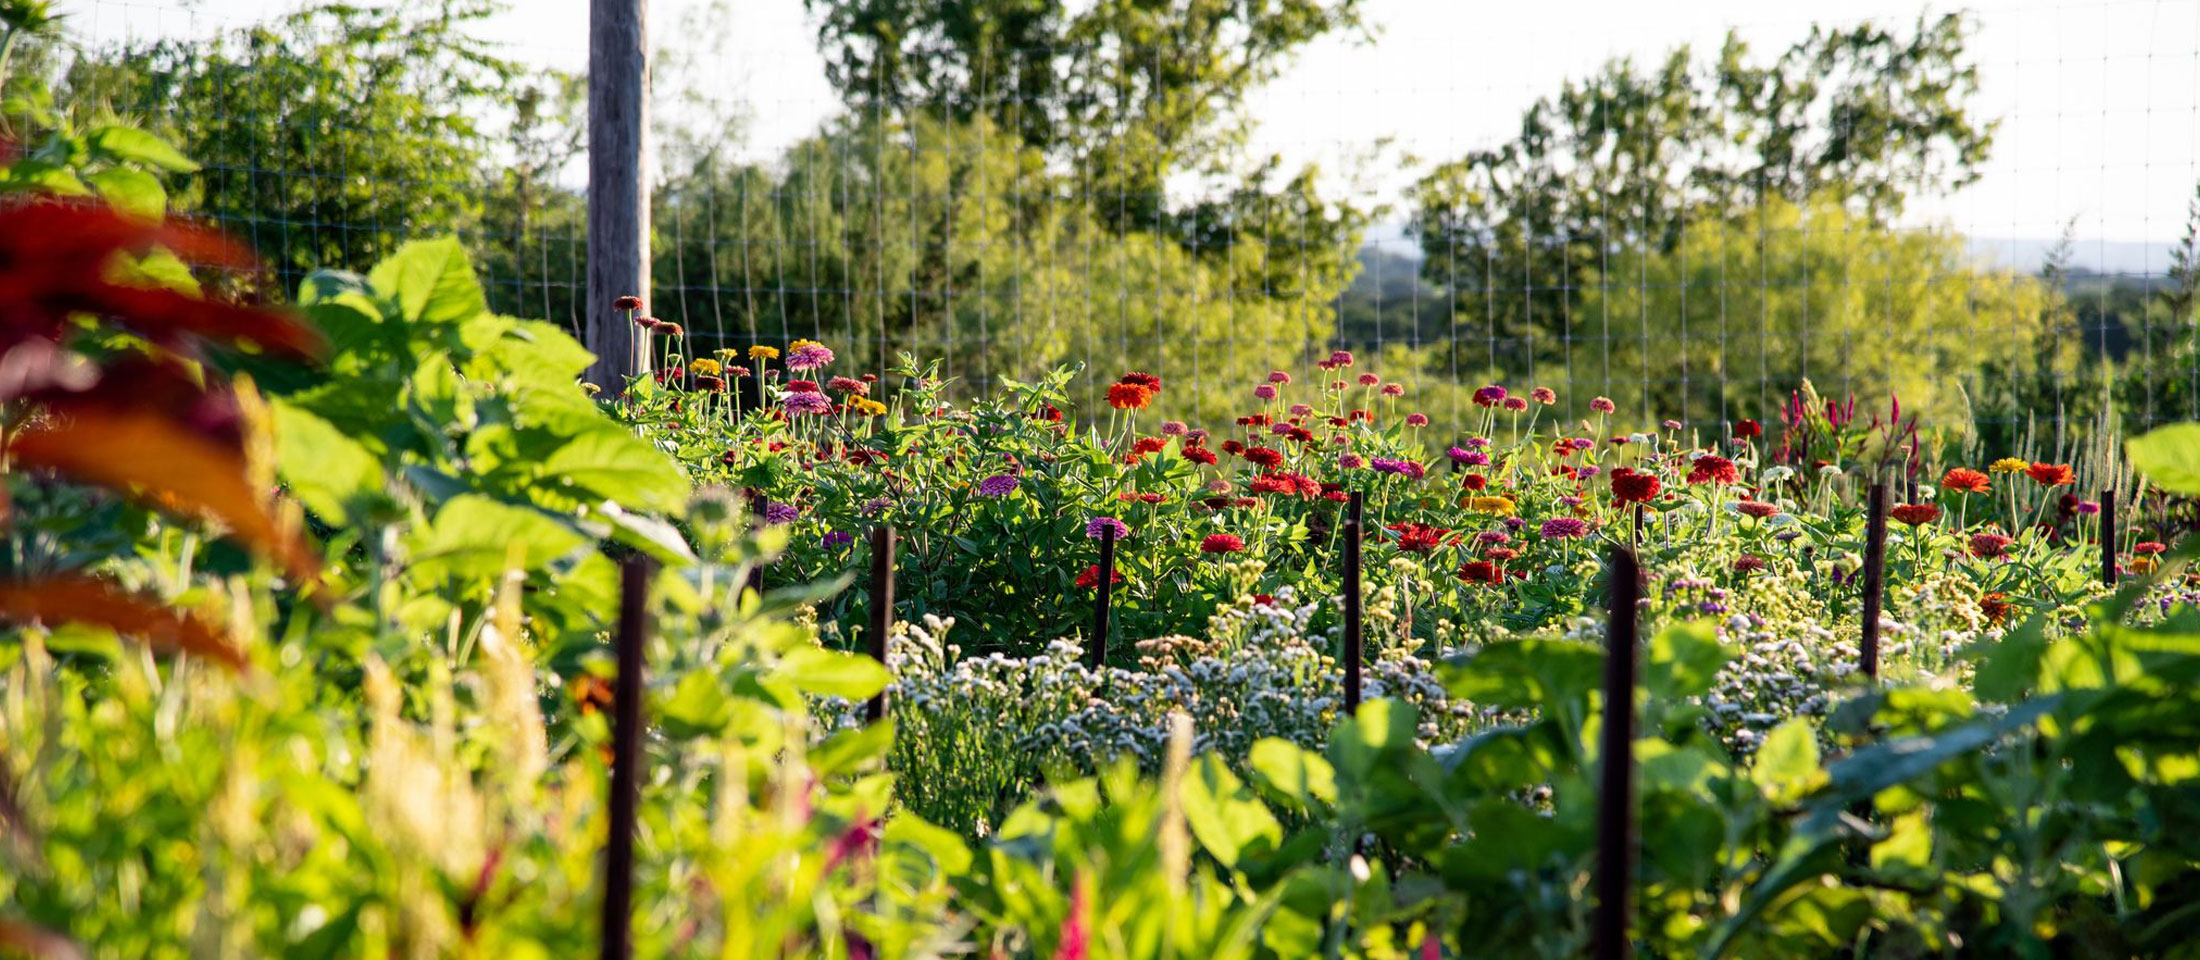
(726, 353)
(1497, 506)
(762, 352)
(708, 368)
(2009, 465)
(869, 407)
(799, 344)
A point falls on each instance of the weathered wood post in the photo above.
(618, 184)
(882, 607)
(1615, 877)
(1354, 639)
(626, 757)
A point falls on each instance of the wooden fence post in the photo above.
(1104, 597)
(626, 757)
(882, 607)
(1354, 639)
(1875, 578)
(1616, 847)
(618, 184)
(2108, 537)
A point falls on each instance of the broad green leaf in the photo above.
(326, 470)
(2169, 457)
(131, 191)
(1683, 661)
(831, 673)
(696, 707)
(1294, 771)
(431, 281)
(648, 534)
(474, 536)
(1382, 726)
(907, 830)
(1541, 674)
(122, 142)
(1224, 814)
(1786, 764)
(157, 269)
(609, 463)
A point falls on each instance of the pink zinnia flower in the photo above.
(1515, 404)
(1543, 395)
(1565, 528)
(1369, 379)
(1416, 419)
(1265, 392)
(1278, 377)
(1603, 405)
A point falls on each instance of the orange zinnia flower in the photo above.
(1915, 514)
(1966, 480)
(1128, 396)
(2051, 474)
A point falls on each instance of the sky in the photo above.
(2099, 100)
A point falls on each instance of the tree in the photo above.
(1629, 158)
(326, 136)
(1737, 312)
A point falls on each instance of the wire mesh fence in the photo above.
(1987, 216)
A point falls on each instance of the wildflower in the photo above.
(1416, 419)
(867, 406)
(777, 513)
(2148, 548)
(710, 384)
(1996, 606)
(1146, 445)
(1201, 455)
(671, 329)
(1964, 480)
(1481, 571)
(802, 386)
(1489, 396)
(1098, 525)
(1987, 546)
(737, 371)
(1603, 405)
(648, 323)
(808, 356)
(1419, 537)
(1172, 428)
(706, 367)
(1502, 554)
(1351, 461)
(1139, 378)
(837, 538)
(1369, 380)
(1091, 577)
(1712, 468)
(1916, 514)
(2009, 465)
(1629, 486)
(1474, 482)
(1128, 396)
(627, 303)
(1340, 358)
(1515, 404)
(849, 385)
(812, 404)
(2050, 474)
(998, 485)
(1278, 377)
(1543, 395)
(1474, 458)
(1748, 563)
(2086, 508)
(1478, 443)
(1405, 468)
(1221, 543)
(1495, 506)
(1758, 508)
(1564, 528)
(762, 352)
(1264, 457)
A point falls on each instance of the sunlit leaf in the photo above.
(83, 600)
(123, 142)
(2169, 457)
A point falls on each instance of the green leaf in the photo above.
(1786, 764)
(326, 470)
(831, 673)
(431, 281)
(609, 463)
(131, 191)
(1223, 813)
(1294, 771)
(1684, 660)
(696, 707)
(1541, 674)
(648, 534)
(121, 142)
(2169, 457)
(476, 536)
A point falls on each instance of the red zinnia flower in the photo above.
(1629, 486)
(1221, 543)
(1149, 381)
(1916, 514)
(1146, 445)
(1091, 577)
(2148, 548)
(1128, 396)
(1502, 554)
(1747, 429)
(1966, 481)
(1232, 447)
(1748, 563)
(1264, 457)
(1758, 508)
(627, 303)
(1481, 571)
(1200, 455)
(1475, 481)
(1996, 606)
(1712, 468)
(2051, 474)
(1987, 546)
(1419, 537)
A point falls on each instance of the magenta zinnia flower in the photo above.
(809, 356)
(814, 404)
(998, 485)
(1489, 396)
(1099, 524)
(1565, 528)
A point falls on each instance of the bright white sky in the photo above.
(2100, 99)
